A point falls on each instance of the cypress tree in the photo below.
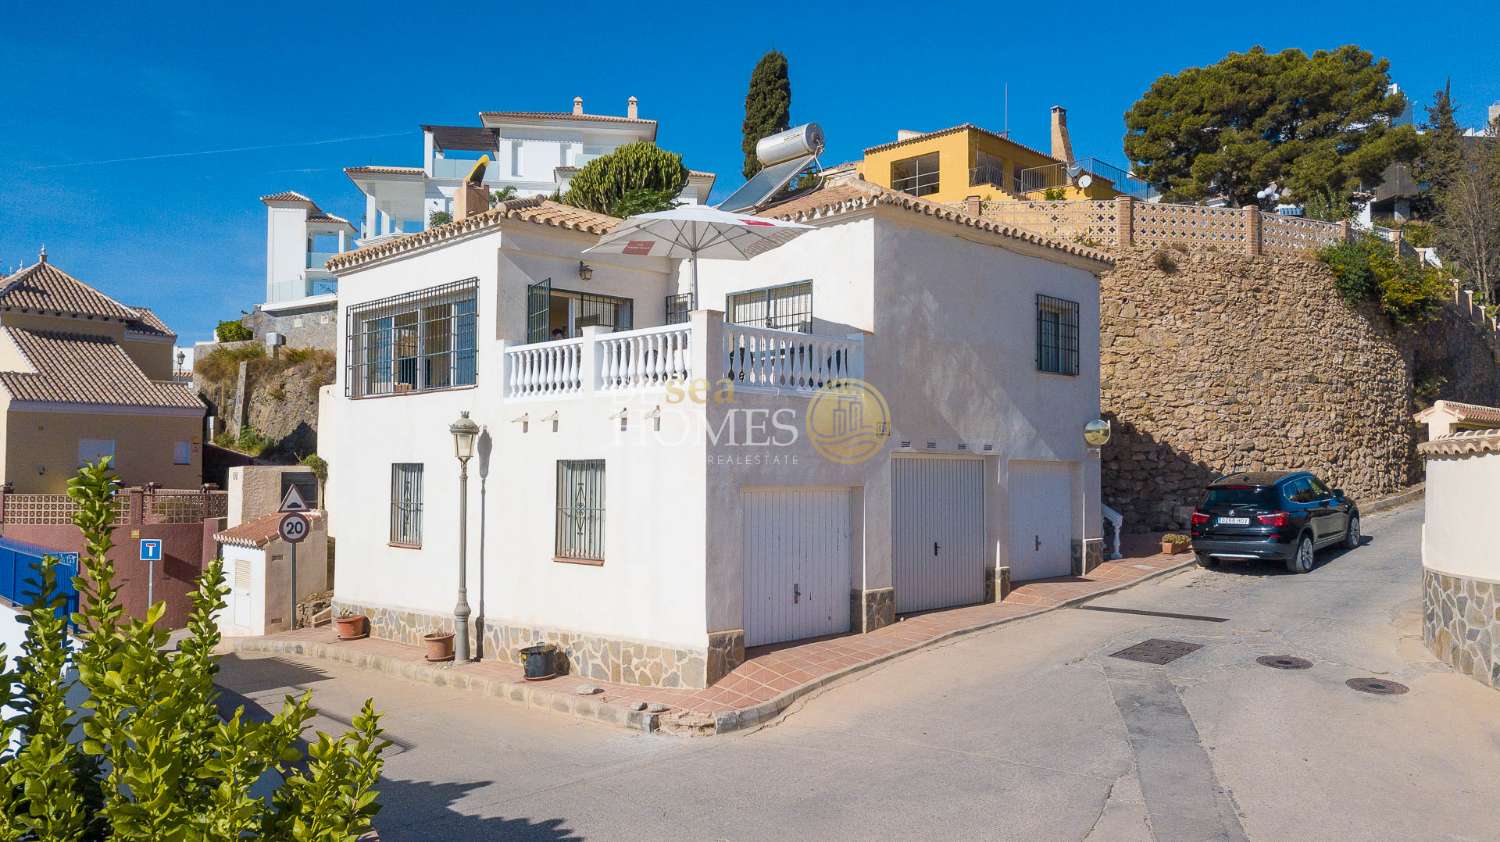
(768, 105)
(1442, 144)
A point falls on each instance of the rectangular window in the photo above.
(785, 307)
(988, 169)
(406, 504)
(1056, 335)
(580, 510)
(92, 450)
(917, 176)
(413, 342)
(182, 453)
(678, 307)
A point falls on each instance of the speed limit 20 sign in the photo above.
(293, 527)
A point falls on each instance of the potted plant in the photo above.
(352, 626)
(539, 661)
(439, 646)
(1173, 543)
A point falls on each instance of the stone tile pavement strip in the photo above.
(769, 681)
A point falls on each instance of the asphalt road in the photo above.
(1030, 731)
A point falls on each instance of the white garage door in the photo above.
(937, 553)
(1041, 519)
(797, 553)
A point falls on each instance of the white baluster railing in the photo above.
(643, 359)
(545, 369)
(778, 359)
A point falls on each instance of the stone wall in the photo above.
(1213, 361)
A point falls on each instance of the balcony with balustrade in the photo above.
(638, 362)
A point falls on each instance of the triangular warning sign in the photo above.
(293, 501)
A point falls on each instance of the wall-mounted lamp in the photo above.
(585, 271)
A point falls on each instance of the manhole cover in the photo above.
(1284, 662)
(1157, 651)
(1378, 686)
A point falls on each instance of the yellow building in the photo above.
(84, 376)
(954, 164)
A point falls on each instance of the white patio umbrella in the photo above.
(694, 231)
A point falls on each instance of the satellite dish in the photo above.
(1074, 170)
(1085, 180)
(476, 173)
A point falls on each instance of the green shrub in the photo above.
(147, 755)
(1054, 194)
(223, 364)
(252, 442)
(233, 332)
(436, 218)
(1368, 270)
(605, 182)
(1420, 234)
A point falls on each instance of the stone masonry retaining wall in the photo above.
(1461, 624)
(1214, 361)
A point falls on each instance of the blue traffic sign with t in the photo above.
(150, 549)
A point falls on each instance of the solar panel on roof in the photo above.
(765, 184)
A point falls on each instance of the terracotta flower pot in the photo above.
(352, 628)
(439, 646)
(1172, 549)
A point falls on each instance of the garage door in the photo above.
(937, 553)
(1041, 520)
(797, 551)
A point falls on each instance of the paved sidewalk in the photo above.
(770, 680)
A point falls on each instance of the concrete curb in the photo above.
(1400, 498)
(738, 720)
(518, 692)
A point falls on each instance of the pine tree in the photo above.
(768, 105)
(1442, 144)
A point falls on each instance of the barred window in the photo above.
(784, 307)
(678, 307)
(917, 176)
(413, 342)
(1056, 335)
(406, 504)
(580, 510)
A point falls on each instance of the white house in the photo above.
(301, 293)
(668, 484)
(535, 153)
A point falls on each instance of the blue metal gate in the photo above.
(20, 573)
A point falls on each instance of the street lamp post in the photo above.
(464, 431)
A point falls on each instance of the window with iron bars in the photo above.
(1056, 335)
(406, 504)
(580, 510)
(678, 308)
(784, 307)
(917, 176)
(414, 342)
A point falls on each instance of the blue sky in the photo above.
(324, 86)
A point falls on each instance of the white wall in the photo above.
(1457, 537)
(286, 252)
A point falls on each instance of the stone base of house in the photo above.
(1461, 624)
(599, 658)
(1087, 554)
(996, 583)
(871, 610)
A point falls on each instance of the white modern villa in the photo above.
(535, 153)
(301, 294)
(661, 483)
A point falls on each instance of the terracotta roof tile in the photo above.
(951, 130)
(42, 287)
(560, 115)
(288, 196)
(76, 368)
(855, 195)
(380, 170)
(1463, 412)
(147, 321)
(534, 209)
(1462, 443)
(261, 531)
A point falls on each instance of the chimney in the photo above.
(577, 105)
(1062, 147)
(470, 199)
(42, 255)
(630, 109)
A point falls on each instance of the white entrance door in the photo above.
(797, 556)
(937, 552)
(1041, 520)
(241, 593)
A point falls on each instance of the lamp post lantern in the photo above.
(464, 431)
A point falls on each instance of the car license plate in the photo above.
(1234, 521)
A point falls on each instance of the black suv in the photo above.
(1281, 516)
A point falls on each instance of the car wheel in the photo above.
(1351, 535)
(1301, 560)
(1207, 560)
